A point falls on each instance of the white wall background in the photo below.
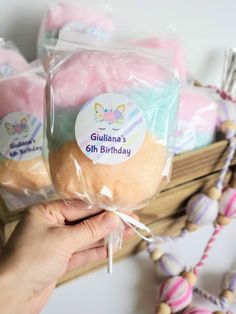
(207, 28)
(133, 289)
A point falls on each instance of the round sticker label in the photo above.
(84, 28)
(21, 136)
(110, 129)
(74, 26)
(6, 70)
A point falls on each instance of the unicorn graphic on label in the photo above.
(113, 117)
(17, 128)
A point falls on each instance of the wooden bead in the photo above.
(223, 220)
(228, 295)
(218, 312)
(191, 227)
(163, 308)
(197, 83)
(233, 183)
(156, 255)
(228, 125)
(214, 193)
(190, 277)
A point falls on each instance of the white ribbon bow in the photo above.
(133, 224)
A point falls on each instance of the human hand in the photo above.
(43, 248)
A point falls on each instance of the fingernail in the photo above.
(110, 221)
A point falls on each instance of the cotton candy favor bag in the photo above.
(111, 119)
(93, 21)
(111, 114)
(11, 60)
(24, 178)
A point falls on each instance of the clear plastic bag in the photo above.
(171, 46)
(227, 110)
(197, 119)
(94, 21)
(24, 179)
(111, 118)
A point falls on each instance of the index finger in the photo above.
(73, 210)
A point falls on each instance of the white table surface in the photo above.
(132, 288)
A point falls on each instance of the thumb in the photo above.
(92, 230)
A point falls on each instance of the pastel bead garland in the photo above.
(213, 206)
(205, 204)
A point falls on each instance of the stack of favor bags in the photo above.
(24, 175)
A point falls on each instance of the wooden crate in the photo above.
(191, 172)
(186, 167)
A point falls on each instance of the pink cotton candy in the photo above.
(63, 13)
(88, 74)
(19, 90)
(197, 119)
(196, 106)
(13, 59)
(170, 46)
(22, 93)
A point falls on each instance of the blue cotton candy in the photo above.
(159, 106)
(64, 126)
